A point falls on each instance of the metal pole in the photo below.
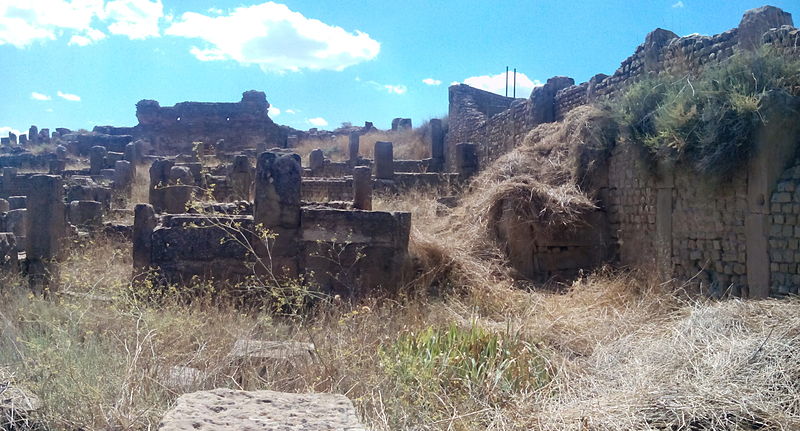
(506, 81)
(515, 82)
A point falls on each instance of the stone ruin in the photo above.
(737, 238)
(181, 244)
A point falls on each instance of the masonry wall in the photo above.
(242, 125)
(497, 124)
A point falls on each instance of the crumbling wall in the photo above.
(496, 123)
(241, 125)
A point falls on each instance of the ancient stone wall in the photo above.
(327, 189)
(496, 123)
(784, 234)
(242, 125)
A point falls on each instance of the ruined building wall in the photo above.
(478, 116)
(242, 125)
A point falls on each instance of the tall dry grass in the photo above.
(462, 347)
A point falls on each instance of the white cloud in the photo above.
(679, 4)
(23, 22)
(39, 96)
(431, 81)
(455, 83)
(317, 122)
(92, 35)
(137, 19)
(396, 89)
(497, 83)
(5, 130)
(274, 111)
(391, 89)
(291, 111)
(275, 38)
(68, 96)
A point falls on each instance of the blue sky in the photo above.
(82, 63)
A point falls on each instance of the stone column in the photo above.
(437, 145)
(362, 188)
(466, 160)
(23, 140)
(316, 162)
(276, 207)
(144, 222)
(61, 152)
(13, 138)
(97, 159)
(384, 161)
(159, 177)
(352, 147)
(33, 134)
(46, 229)
(123, 175)
(240, 178)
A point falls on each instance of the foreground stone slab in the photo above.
(227, 409)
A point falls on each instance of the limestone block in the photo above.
(228, 409)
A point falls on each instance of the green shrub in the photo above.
(709, 120)
(468, 362)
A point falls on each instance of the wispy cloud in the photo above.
(68, 96)
(317, 122)
(275, 38)
(431, 81)
(39, 96)
(497, 83)
(274, 111)
(678, 5)
(389, 88)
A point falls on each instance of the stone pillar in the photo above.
(352, 147)
(61, 152)
(12, 138)
(44, 136)
(665, 185)
(399, 124)
(384, 161)
(437, 145)
(46, 229)
(97, 159)
(316, 162)
(159, 177)
(123, 175)
(240, 178)
(23, 139)
(466, 160)
(130, 153)
(276, 207)
(144, 222)
(362, 188)
(33, 134)
(4, 206)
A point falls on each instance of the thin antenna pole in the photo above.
(506, 81)
(515, 82)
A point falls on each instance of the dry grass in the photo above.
(408, 145)
(461, 348)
